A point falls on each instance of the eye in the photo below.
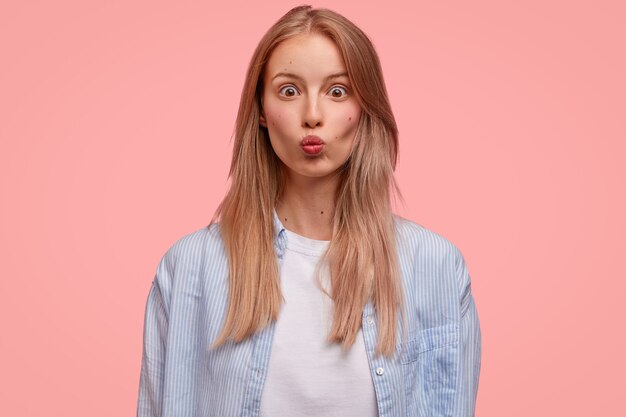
(336, 91)
(289, 90)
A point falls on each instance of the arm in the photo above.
(470, 346)
(150, 400)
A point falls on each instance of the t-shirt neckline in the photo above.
(305, 245)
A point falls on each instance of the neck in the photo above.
(307, 206)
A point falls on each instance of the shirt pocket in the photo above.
(430, 363)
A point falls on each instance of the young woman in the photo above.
(306, 296)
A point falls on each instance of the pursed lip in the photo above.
(311, 140)
(312, 145)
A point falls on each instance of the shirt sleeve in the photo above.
(150, 401)
(470, 346)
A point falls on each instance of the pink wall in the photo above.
(115, 126)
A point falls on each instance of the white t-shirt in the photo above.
(307, 376)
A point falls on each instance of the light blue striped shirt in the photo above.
(434, 372)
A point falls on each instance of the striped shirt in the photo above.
(434, 372)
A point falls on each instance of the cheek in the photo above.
(279, 128)
(270, 111)
(350, 119)
(276, 117)
(273, 118)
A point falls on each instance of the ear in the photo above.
(262, 120)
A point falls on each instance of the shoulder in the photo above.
(430, 261)
(424, 252)
(416, 239)
(193, 245)
(189, 252)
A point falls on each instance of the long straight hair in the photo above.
(362, 252)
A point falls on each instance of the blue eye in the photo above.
(290, 90)
(340, 88)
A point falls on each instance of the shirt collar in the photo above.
(280, 237)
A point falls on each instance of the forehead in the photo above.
(305, 55)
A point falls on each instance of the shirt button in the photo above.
(370, 320)
(380, 371)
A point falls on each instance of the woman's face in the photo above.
(306, 91)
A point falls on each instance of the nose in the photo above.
(312, 114)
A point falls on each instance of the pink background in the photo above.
(115, 126)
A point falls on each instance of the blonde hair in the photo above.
(362, 253)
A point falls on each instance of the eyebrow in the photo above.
(297, 77)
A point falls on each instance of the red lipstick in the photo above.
(312, 145)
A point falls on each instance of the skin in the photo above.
(293, 108)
